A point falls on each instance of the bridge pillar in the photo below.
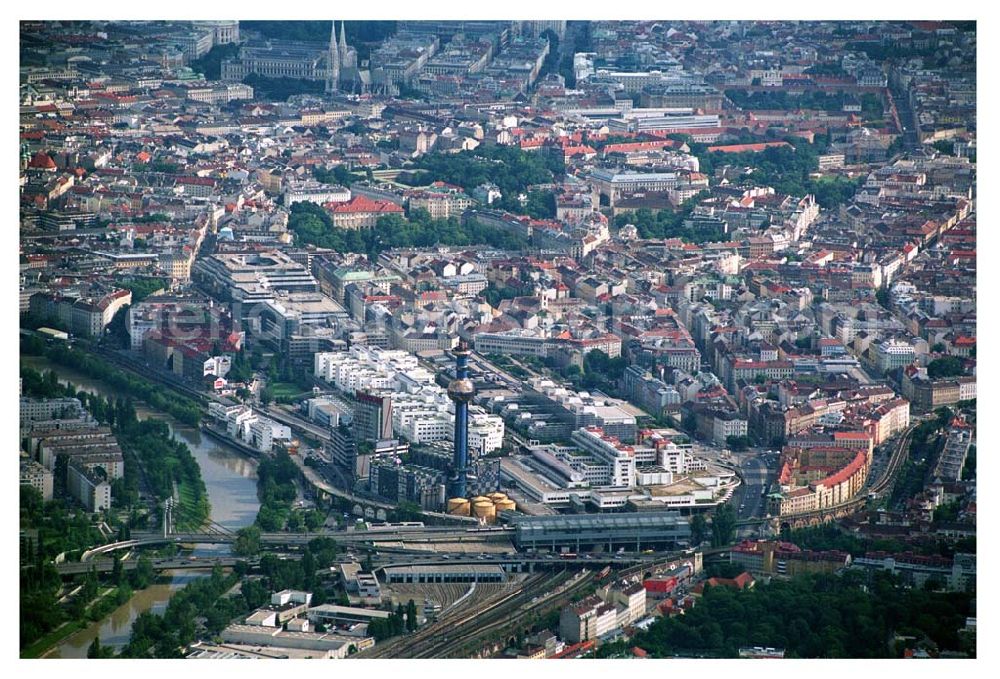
(168, 506)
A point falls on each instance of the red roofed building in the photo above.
(963, 346)
(769, 557)
(361, 212)
(742, 581)
(583, 152)
(42, 161)
(743, 148)
(200, 187)
(575, 650)
(640, 146)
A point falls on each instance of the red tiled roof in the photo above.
(42, 161)
(641, 146)
(363, 204)
(853, 466)
(850, 435)
(742, 148)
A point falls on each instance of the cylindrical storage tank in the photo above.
(497, 497)
(505, 505)
(484, 510)
(458, 506)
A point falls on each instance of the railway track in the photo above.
(472, 619)
(895, 463)
(398, 647)
(469, 634)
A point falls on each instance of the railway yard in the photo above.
(478, 621)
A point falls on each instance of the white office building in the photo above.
(610, 452)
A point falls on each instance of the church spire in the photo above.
(333, 59)
(343, 40)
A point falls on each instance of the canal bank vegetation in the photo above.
(202, 609)
(155, 636)
(276, 477)
(158, 397)
(167, 465)
(51, 609)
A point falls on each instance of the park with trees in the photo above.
(314, 225)
(509, 168)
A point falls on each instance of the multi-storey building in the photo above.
(37, 476)
(315, 192)
(587, 620)
(372, 416)
(891, 354)
(441, 200)
(273, 59)
(39, 409)
(84, 314)
(253, 277)
(617, 458)
(88, 487)
(360, 212)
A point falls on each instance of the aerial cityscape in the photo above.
(512, 339)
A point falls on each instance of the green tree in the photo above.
(247, 541)
(882, 297)
(723, 526)
(411, 616)
(117, 572)
(738, 443)
(143, 574)
(94, 650)
(946, 366)
(699, 529)
(308, 563)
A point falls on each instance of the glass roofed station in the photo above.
(596, 532)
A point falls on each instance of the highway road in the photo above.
(757, 471)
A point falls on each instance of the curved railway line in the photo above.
(393, 647)
(473, 622)
(476, 629)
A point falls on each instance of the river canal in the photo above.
(231, 482)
